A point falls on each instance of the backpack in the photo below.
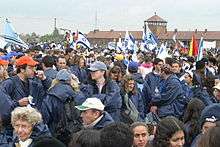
(69, 123)
(130, 114)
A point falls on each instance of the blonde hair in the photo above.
(28, 114)
(74, 84)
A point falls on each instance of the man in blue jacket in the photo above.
(93, 114)
(104, 89)
(152, 83)
(170, 100)
(21, 88)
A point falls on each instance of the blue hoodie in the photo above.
(171, 101)
(53, 106)
(15, 89)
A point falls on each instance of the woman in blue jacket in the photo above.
(131, 96)
(58, 109)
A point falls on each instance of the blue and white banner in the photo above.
(129, 42)
(11, 36)
(119, 45)
(149, 41)
(3, 43)
(163, 53)
(112, 45)
(82, 40)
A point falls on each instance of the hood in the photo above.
(40, 130)
(62, 91)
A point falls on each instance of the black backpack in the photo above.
(69, 123)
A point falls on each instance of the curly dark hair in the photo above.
(166, 128)
(191, 118)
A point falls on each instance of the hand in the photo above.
(153, 109)
(23, 102)
(41, 75)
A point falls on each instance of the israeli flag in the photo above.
(82, 40)
(119, 45)
(163, 53)
(129, 42)
(11, 36)
(149, 41)
(125, 43)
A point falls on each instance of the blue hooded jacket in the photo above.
(53, 106)
(171, 101)
(6, 107)
(152, 81)
(14, 88)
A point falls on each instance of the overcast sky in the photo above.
(38, 15)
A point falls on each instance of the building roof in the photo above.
(187, 35)
(112, 34)
(156, 18)
(181, 35)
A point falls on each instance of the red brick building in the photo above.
(159, 27)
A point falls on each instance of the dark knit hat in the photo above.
(200, 64)
(211, 113)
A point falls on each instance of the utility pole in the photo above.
(55, 23)
(145, 26)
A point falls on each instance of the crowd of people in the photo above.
(108, 98)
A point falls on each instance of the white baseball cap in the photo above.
(217, 86)
(91, 103)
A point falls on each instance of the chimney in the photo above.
(175, 30)
(205, 30)
(196, 31)
(96, 30)
(111, 30)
